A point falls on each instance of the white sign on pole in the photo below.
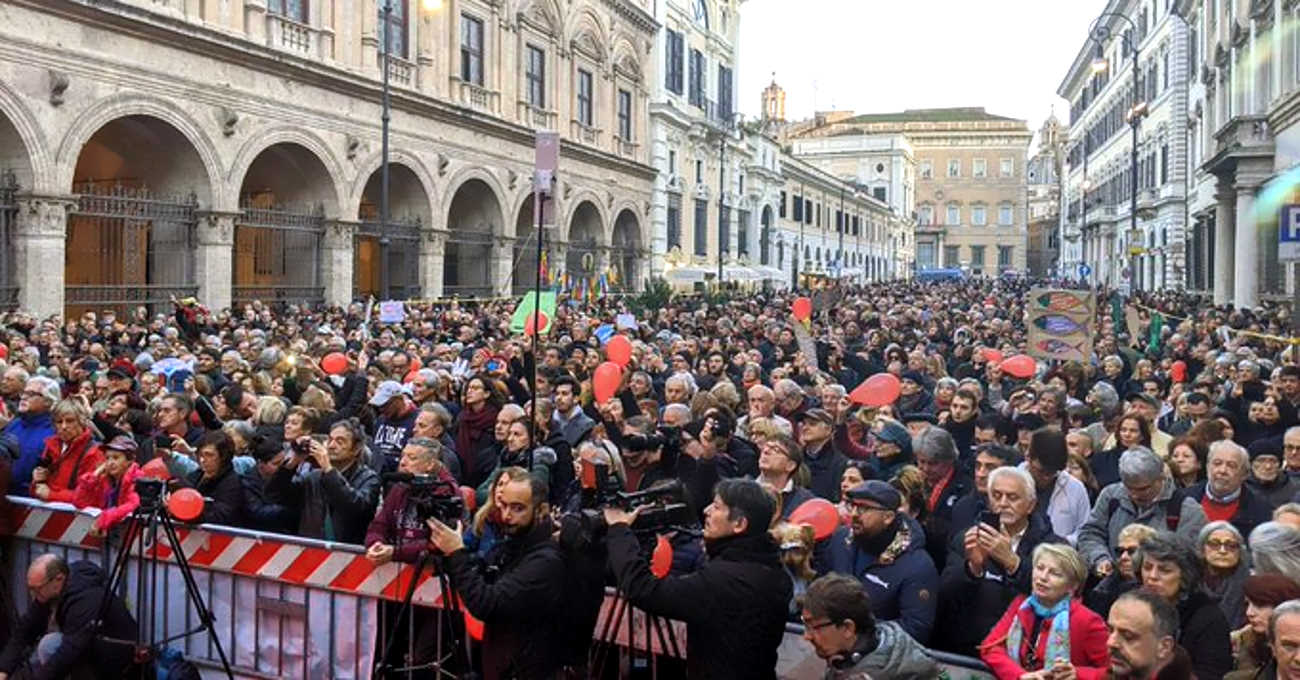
(1288, 233)
(392, 311)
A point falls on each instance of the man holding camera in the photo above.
(519, 597)
(337, 498)
(735, 606)
(397, 532)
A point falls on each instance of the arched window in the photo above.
(701, 13)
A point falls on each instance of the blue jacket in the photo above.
(904, 589)
(31, 433)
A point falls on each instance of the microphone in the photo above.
(544, 455)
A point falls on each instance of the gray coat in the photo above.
(897, 657)
(1114, 510)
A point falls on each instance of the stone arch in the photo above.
(585, 21)
(310, 141)
(627, 241)
(475, 218)
(619, 208)
(459, 178)
(386, 256)
(23, 145)
(585, 234)
(413, 163)
(579, 197)
(625, 59)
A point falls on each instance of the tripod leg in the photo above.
(382, 666)
(192, 588)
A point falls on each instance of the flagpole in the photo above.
(537, 310)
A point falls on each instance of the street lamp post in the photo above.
(1100, 33)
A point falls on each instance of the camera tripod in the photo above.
(444, 614)
(621, 610)
(142, 532)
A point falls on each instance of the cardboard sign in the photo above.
(1060, 323)
(392, 311)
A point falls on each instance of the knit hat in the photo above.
(1267, 446)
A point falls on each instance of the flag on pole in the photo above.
(524, 312)
(546, 275)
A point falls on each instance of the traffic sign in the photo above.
(1288, 233)
(1084, 270)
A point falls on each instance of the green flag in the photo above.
(525, 311)
(1157, 325)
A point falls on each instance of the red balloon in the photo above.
(472, 625)
(878, 390)
(4, 351)
(1178, 371)
(818, 513)
(155, 469)
(619, 350)
(992, 355)
(1019, 366)
(185, 504)
(334, 363)
(606, 381)
(542, 319)
(661, 560)
(802, 309)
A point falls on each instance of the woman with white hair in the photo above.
(1275, 549)
(1222, 550)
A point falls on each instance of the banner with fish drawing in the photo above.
(1060, 323)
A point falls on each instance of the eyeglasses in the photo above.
(1223, 546)
(1127, 549)
(809, 626)
(857, 509)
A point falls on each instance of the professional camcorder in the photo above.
(666, 437)
(662, 507)
(431, 497)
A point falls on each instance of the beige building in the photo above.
(1043, 180)
(230, 149)
(962, 169)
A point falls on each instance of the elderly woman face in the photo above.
(1126, 549)
(1051, 580)
(68, 427)
(1222, 550)
(1164, 578)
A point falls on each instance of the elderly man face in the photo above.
(933, 468)
(11, 383)
(676, 392)
(34, 400)
(1011, 500)
(761, 402)
(1227, 470)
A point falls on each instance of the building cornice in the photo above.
(225, 47)
(638, 17)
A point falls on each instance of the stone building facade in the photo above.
(1043, 179)
(230, 149)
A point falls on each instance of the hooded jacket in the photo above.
(30, 431)
(116, 502)
(67, 463)
(73, 613)
(896, 656)
(901, 579)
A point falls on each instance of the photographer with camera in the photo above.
(398, 532)
(735, 606)
(518, 591)
(337, 493)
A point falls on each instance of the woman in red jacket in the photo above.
(69, 452)
(111, 486)
(1051, 629)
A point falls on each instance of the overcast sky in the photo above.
(877, 56)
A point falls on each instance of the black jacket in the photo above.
(347, 498)
(223, 497)
(74, 612)
(1204, 634)
(970, 606)
(938, 522)
(520, 608)
(1252, 510)
(826, 467)
(734, 608)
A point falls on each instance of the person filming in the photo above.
(735, 606)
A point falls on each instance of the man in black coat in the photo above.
(945, 484)
(73, 593)
(825, 463)
(735, 606)
(520, 605)
(1225, 495)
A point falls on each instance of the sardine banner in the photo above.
(1060, 323)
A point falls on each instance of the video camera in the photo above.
(666, 437)
(662, 508)
(431, 497)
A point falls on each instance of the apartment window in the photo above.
(672, 162)
(697, 78)
(798, 209)
(625, 115)
(979, 168)
(700, 13)
(674, 222)
(724, 92)
(1008, 167)
(1164, 164)
(1005, 215)
(535, 76)
(724, 230)
(950, 256)
(977, 258)
(394, 31)
(699, 172)
(701, 224)
(780, 212)
(979, 216)
(818, 211)
(742, 232)
(807, 211)
(585, 85)
(293, 10)
(673, 69)
(925, 216)
(954, 215)
(880, 194)
(1004, 257)
(954, 168)
(471, 50)
(927, 170)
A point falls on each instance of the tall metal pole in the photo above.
(722, 198)
(1135, 122)
(803, 217)
(383, 171)
(839, 257)
(1083, 231)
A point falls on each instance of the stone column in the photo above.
(1245, 261)
(214, 258)
(503, 264)
(255, 20)
(433, 252)
(336, 261)
(1224, 239)
(40, 240)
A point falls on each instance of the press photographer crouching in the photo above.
(517, 592)
(735, 606)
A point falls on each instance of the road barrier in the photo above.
(291, 607)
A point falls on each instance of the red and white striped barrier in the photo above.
(304, 562)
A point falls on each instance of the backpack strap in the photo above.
(1174, 509)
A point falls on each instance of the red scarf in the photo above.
(470, 427)
(938, 489)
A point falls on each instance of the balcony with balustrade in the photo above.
(283, 33)
(536, 118)
(476, 97)
(585, 134)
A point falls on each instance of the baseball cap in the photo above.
(386, 392)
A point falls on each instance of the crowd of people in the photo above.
(1133, 516)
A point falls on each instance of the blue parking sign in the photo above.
(1288, 233)
(1084, 270)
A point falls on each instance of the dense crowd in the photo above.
(1133, 516)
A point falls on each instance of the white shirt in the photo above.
(1068, 508)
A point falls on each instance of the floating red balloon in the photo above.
(1178, 371)
(878, 390)
(540, 319)
(155, 469)
(185, 504)
(818, 513)
(4, 351)
(606, 381)
(992, 355)
(619, 350)
(661, 560)
(334, 363)
(802, 309)
(1019, 366)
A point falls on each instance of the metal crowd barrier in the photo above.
(291, 607)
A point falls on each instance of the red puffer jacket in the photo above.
(94, 491)
(67, 463)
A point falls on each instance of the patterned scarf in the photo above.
(1058, 636)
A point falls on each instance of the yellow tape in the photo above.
(1249, 334)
